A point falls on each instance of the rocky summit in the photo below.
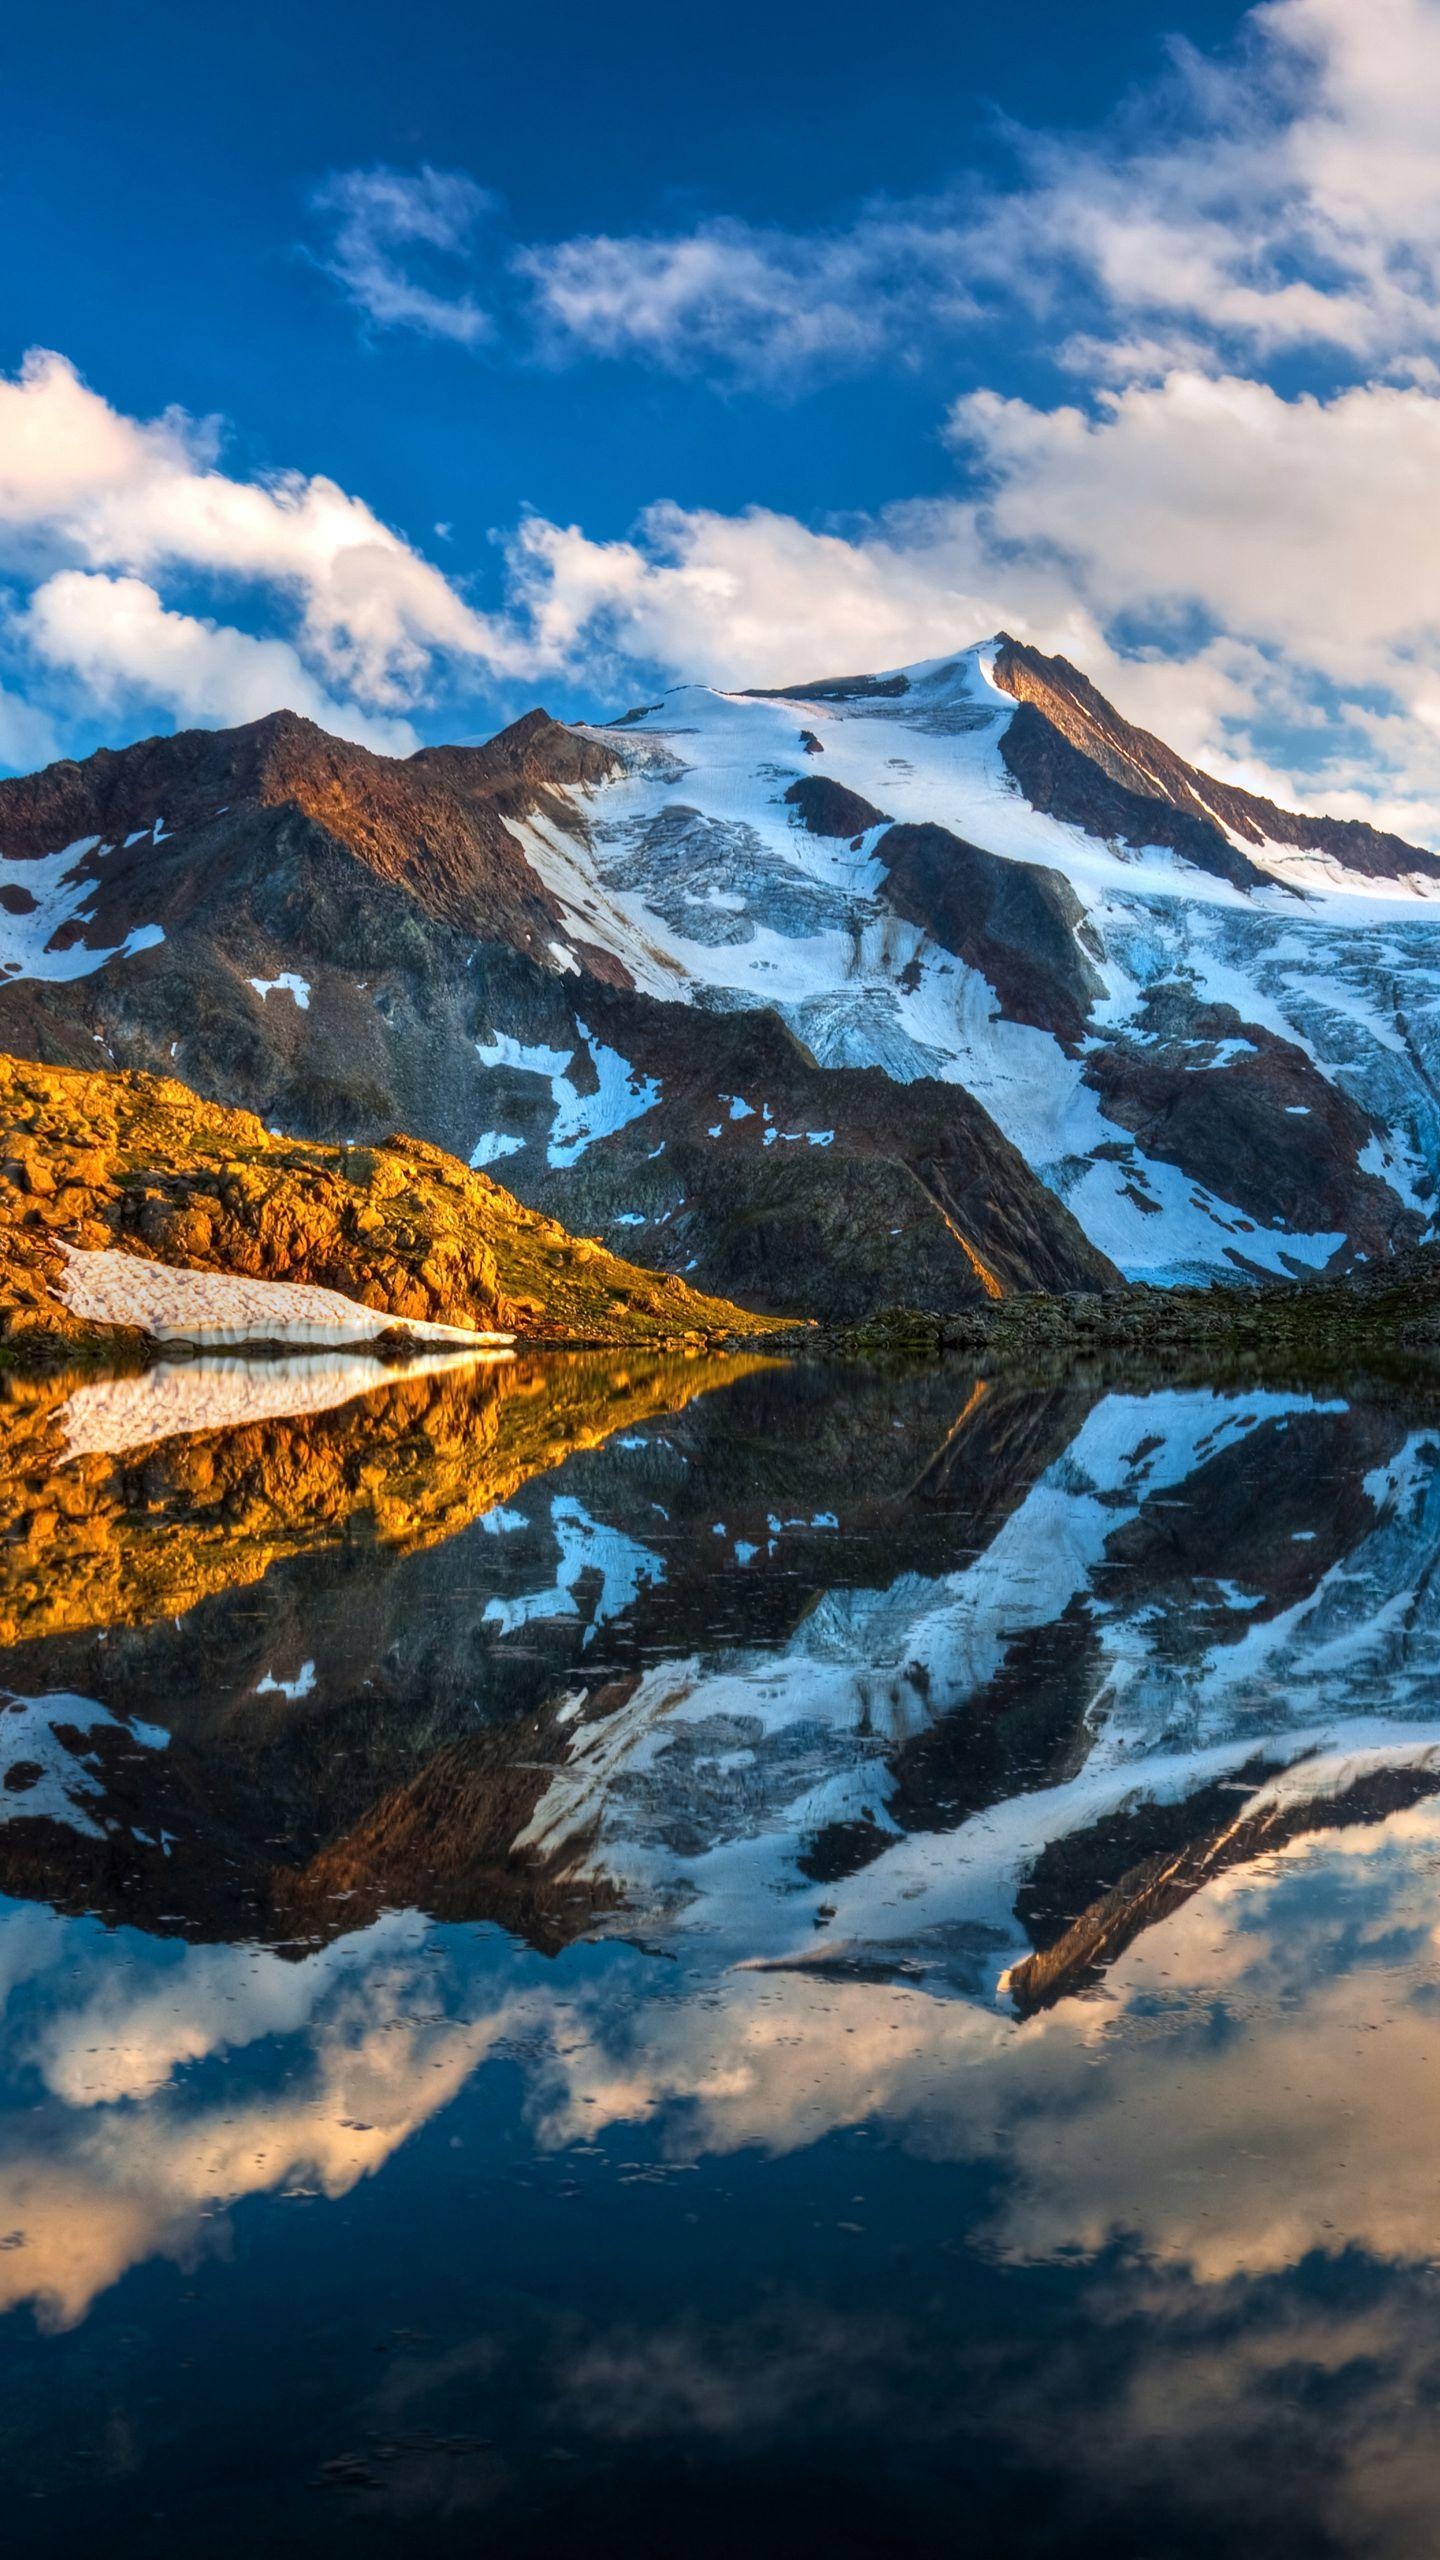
(925, 987)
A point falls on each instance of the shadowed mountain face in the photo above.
(905, 988)
(1197, 816)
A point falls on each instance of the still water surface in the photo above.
(716, 1956)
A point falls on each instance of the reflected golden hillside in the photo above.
(120, 1538)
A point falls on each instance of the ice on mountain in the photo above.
(43, 897)
(711, 878)
(490, 1148)
(286, 984)
(620, 1096)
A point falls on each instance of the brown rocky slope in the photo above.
(1074, 754)
(140, 1163)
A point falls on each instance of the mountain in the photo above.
(921, 986)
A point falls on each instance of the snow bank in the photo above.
(218, 1306)
(49, 897)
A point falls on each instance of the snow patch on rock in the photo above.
(620, 1094)
(287, 984)
(51, 895)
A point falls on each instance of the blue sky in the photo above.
(159, 162)
(1110, 323)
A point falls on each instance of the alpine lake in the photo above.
(730, 1954)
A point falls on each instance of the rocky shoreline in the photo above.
(1367, 1317)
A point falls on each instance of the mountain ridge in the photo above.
(729, 979)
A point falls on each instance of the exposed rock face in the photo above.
(756, 1166)
(827, 808)
(436, 834)
(1142, 767)
(1246, 1113)
(1019, 926)
(1061, 781)
(133, 1161)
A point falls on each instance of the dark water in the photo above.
(693, 1958)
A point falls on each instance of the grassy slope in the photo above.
(141, 1163)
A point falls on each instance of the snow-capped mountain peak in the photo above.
(898, 985)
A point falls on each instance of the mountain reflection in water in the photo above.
(649, 1949)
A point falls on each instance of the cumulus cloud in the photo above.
(126, 646)
(82, 483)
(103, 517)
(1291, 541)
(1301, 525)
(755, 598)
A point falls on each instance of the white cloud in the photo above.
(124, 645)
(1303, 525)
(379, 219)
(763, 303)
(1300, 531)
(761, 599)
(750, 599)
(102, 516)
(1292, 541)
(1283, 195)
(82, 484)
